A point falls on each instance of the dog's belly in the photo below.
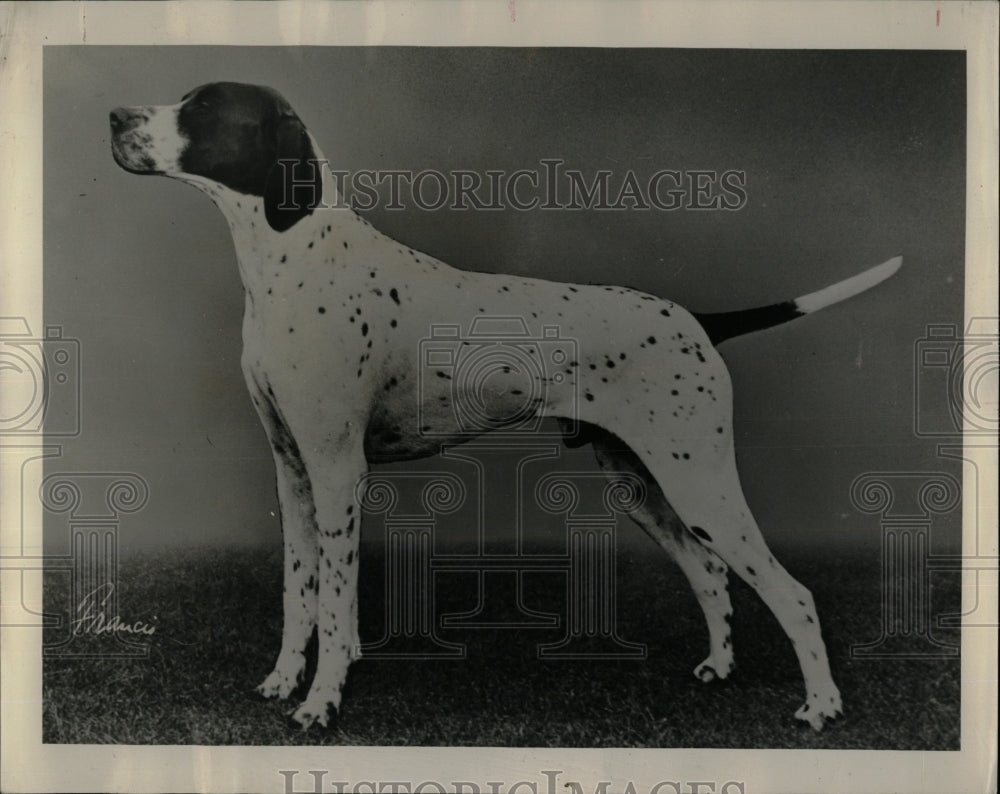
(416, 420)
(385, 445)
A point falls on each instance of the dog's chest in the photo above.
(302, 303)
(322, 325)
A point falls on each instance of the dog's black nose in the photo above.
(119, 119)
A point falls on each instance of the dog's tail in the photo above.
(726, 325)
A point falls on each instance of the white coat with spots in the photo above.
(333, 313)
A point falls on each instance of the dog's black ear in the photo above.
(294, 184)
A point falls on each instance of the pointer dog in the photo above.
(333, 313)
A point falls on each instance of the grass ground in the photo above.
(218, 619)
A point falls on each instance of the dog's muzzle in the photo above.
(132, 142)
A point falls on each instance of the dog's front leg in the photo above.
(335, 473)
(301, 574)
(299, 533)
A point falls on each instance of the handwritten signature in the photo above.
(93, 618)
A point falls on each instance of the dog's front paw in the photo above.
(276, 685)
(314, 711)
(709, 670)
(820, 709)
(284, 679)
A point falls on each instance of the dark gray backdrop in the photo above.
(851, 157)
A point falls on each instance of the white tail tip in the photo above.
(849, 287)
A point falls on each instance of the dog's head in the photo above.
(244, 137)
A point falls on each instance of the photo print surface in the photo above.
(505, 592)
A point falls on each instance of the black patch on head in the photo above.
(249, 139)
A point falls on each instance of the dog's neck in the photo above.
(262, 251)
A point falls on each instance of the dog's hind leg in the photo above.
(704, 490)
(706, 573)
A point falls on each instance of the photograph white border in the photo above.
(26, 28)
